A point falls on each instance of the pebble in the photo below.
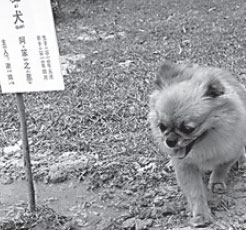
(138, 224)
(6, 179)
(129, 223)
(144, 224)
(57, 177)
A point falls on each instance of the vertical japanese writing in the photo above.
(29, 57)
(7, 62)
(24, 54)
(45, 60)
(18, 15)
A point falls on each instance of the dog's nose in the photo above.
(171, 142)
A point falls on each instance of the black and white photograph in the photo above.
(122, 114)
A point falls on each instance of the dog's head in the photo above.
(189, 102)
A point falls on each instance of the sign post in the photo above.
(29, 60)
(26, 152)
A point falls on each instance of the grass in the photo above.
(103, 110)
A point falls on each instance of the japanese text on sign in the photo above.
(29, 58)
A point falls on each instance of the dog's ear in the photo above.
(214, 89)
(167, 72)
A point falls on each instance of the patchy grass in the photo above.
(44, 218)
(102, 113)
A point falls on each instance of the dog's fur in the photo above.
(198, 117)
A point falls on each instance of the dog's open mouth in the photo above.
(182, 153)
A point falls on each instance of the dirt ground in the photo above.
(94, 162)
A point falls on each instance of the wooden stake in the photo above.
(26, 152)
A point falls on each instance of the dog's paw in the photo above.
(201, 221)
(219, 187)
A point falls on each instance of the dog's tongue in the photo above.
(180, 153)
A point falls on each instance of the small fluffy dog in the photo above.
(198, 117)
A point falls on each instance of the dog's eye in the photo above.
(186, 129)
(162, 127)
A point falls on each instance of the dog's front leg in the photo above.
(190, 180)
